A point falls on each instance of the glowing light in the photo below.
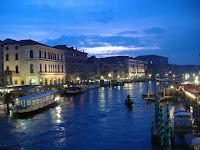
(101, 77)
(171, 86)
(109, 75)
(190, 94)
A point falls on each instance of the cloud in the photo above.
(109, 49)
(154, 30)
(127, 32)
(106, 45)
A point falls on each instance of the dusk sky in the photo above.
(108, 27)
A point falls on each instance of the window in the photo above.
(58, 68)
(31, 68)
(16, 69)
(7, 57)
(55, 68)
(16, 56)
(22, 82)
(31, 53)
(16, 47)
(61, 57)
(45, 55)
(40, 54)
(7, 48)
(15, 81)
(62, 68)
(7, 69)
(58, 56)
(40, 67)
(45, 68)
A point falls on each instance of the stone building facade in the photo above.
(27, 62)
(76, 64)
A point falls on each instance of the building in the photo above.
(94, 65)
(113, 68)
(135, 68)
(1, 64)
(157, 65)
(28, 62)
(76, 64)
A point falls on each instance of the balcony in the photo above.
(51, 73)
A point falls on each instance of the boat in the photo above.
(193, 141)
(34, 102)
(128, 101)
(149, 96)
(182, 118)
(76, 89)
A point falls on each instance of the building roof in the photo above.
(21, 42)
(149, 56)
(114, 59)
(64, 47)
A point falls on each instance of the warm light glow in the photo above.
(171, 86)
(190, 94)
(77, 78)
(101, 77)
(109, 75)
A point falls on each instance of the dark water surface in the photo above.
(95, 120)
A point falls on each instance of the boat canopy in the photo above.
(35, 95)
(182, 114)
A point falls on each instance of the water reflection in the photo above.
(98, 120)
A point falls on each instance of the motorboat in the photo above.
(34, 102)
(182, 118)
(193, 141)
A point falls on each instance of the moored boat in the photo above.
(193, 141)
(183, 118)
(76, 89)
(34, 102)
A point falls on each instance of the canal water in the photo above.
(95, 120)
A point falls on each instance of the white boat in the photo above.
(34, 102)
(183, 119)
(193, 141)
(76, 89)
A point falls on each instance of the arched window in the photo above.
(58, 68)
(16, 69)
(45, 68)
(61, 57)
(40, 54)
(7, 57)
(7, 69)
(31, 68)
(31, 53)
(16, 56)
(40, 67)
